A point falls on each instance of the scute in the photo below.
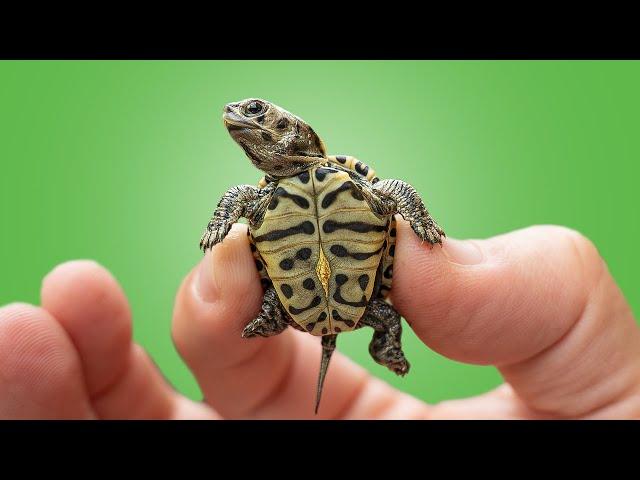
(321, 213)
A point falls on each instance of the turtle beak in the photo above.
(233, 120)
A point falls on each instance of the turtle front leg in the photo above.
(240, 201)
(385, 346)
(396, 196)
(272, 319)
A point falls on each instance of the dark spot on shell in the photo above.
(336, 316)
(388, 273)
(310, 326)
(357, 194)
(330, 226)
(341, 158)
(304, 177)
(303, 254)
(281, 192)
(337, 329)
(338, 251)
(304, 227)
(297, 311)
(321, 173)
(266, 283)
(330, 197)
(393, 232)
(324, 331)
(392, 250)
(341, 279)
(253, 247)
(322, 317)
(363, 280)
(309, 284)
(259, 265)
(286, 289)
(286, 264)
(273, 203)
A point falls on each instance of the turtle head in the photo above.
(277, 142)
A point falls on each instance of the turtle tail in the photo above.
(328, 346)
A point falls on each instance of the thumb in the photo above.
(538, 303)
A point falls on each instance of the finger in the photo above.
(121, 379)
(501, 403)
(40, 372)
(92, 308)
(259, 377)
(142, 393)
(539, 303)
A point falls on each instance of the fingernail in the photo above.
(463, 252)
(206, 284)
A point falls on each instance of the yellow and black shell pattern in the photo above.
(323, 248)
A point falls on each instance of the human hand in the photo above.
(538, 303)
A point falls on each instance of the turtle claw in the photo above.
(429, 231)
(212, 236)
(396, 362)
(391, 357)
(271, 319)
(261, 327)
(253, 329)
(401, 368)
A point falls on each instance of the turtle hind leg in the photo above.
(271, 320)
(386, 345)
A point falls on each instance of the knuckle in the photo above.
(581, 252)
(569, 237)
(583, 248)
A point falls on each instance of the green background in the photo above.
(123, 162)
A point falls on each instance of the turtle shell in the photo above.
(323, 248)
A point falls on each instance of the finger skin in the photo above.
(501, 403)
(40, 371)
(90, 305)
(139, 394)
(259, 377)
(121, 379)
(538, 303)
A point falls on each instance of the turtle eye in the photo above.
(254, 108)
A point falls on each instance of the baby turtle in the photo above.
(322, 232)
